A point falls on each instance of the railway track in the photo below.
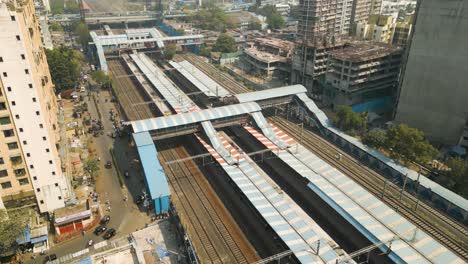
(437, 225)
(220, 77)
(126, 90)
(216, 237)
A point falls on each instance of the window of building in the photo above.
(1, 59)
(21, 129)
(34, 99)
(8, 133)
(38, 189)
(41, 201)
(44, 138)
(18, 37)
(30, 85)
(2, 106)
(31, 166)
(15, 160)
(26, 71)
(50, 161)
(56, 184)
(25, 142)
(60, 197)
(13, 103)
(19, 172)
(5, 120)
(12, 145)
(23, 181)
(47, 150)
(37, 113)
(23, 57)
(35, 178)
(9, 88)
(17, 116)
(3, 173)
(41, 125)
(13, 18)
(53, 173)
(6, 185)
(28, 155)
(5, 74)
(2, 161)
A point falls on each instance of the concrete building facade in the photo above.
(361, 73)
(362, 9)
(434, 93)
(29, 129)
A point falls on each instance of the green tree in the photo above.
(348, 120)
(101, 78)
(458, 174)
(409, 144)
(205, 51)
(54, 26)
(225, 44)
(211, 18)
(376, 138)
(255, 25)
(91, 166)
(12, 224)
(57, 7)
(275, 21)
(65, 67)
(83, 33)
(170, 51)
(72, 7)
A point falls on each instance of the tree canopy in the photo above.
(348, 120)
(101, 78)
(170, 51)
(409, 144)
(65, 67)
(225, 44)
(212, 18)
(12, 225)
(57, 7)
(91, 166)
(54, 26)
(376, 138)
(458, 175)
(81, 29)
(274, 19)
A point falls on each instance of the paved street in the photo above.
(126, 217)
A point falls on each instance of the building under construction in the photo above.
(321, 25)
(363, 75)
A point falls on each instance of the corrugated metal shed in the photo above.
(154, 173)
(193, 117)
(271, 93)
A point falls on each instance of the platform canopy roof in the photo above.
(194, 117)
(271, 93)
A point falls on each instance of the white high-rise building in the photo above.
(30, 166)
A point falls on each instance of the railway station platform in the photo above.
(384, 227)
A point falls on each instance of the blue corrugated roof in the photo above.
(194, 117)
(271, 93)
(154, 173)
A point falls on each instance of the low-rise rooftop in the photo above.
(362, 51)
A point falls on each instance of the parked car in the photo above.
(99, 230)
(108, 164)
(110, 233)
(51, 257)
(105, 220)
